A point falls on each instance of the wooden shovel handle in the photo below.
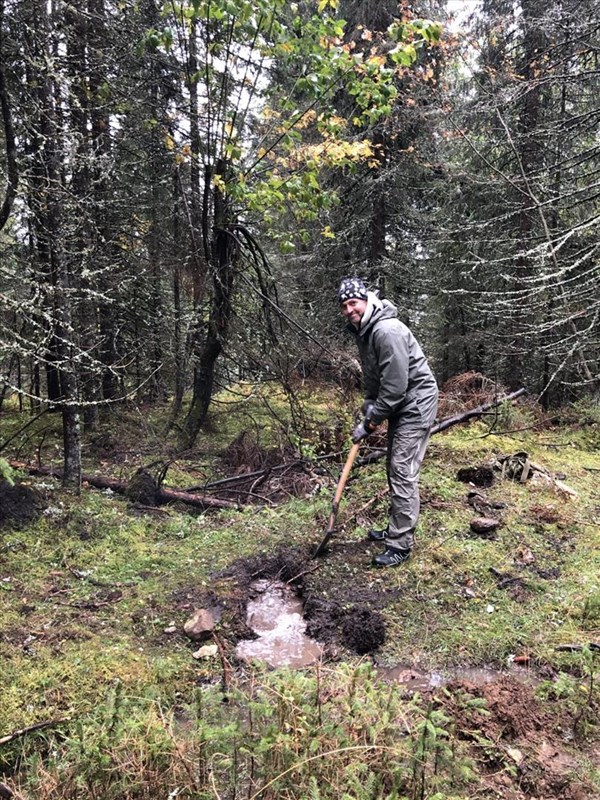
(344, 477)
(337, 497)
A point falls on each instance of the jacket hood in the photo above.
(378, 310)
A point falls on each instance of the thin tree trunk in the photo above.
(12, 173)
(223, 268)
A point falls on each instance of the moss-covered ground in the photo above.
(94, 594)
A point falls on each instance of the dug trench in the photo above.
(521, 743)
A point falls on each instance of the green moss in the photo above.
(88, 590)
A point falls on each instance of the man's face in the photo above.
(353, 309)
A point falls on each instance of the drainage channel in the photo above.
(416, 681)
(275, 615)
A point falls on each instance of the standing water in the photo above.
(275, 615)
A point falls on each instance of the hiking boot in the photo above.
(376, 535)
(391, 558)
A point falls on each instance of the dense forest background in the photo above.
(184, 184)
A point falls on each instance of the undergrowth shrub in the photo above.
(323, 734)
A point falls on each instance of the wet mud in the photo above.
(417, 681)
(348, 618)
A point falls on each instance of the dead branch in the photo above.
(243, 476)
(51, 723)
(444, 424)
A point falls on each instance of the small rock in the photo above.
(170, 629)
(200, 625)
(515, 754)
(208, 651)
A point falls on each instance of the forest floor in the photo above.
(470, 671)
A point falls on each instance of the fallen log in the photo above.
(120, 487)
(444, 424)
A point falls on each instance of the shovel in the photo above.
(336, 499)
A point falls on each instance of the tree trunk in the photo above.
(222, 269)
(12, 173)
(47, 203)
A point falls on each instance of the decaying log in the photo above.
(120, 487)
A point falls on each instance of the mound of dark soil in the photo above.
(478, 476)
(19, 504)
(363, 630)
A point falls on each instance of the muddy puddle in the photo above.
(416, 681)
(275, 615)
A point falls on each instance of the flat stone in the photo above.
(200, 625)
(208, 651)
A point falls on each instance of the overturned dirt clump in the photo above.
(19, 504)
(363, 630)
(353, 624)
(479, 476)
(514, 705)
(521, 733)
(142, 488)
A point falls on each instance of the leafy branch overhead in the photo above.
(278, 134)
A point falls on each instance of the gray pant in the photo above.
(405, 453)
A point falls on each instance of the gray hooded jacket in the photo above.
(396, 375)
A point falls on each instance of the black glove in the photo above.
(367, 406)
(362, 430)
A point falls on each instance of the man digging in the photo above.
(399, 387)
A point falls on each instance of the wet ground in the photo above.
(275, 616)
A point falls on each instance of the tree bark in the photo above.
(12, 172)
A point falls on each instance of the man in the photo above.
(400, 388)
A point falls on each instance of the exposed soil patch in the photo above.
(19, 504)
(478, 476)
(347, 617)
(510, 729)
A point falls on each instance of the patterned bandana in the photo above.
(350, 288)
